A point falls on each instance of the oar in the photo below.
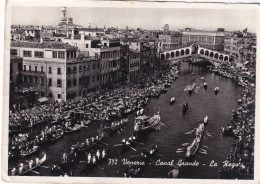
(132, 148)
(203, 150)
(82, 161)
(85, 152)
(139, 143)
(203, 153)
(150, 160)
(204, 137)
(181, 149)
(185, 144)
(35, 172)
(104, 143)
(198, 156)
(205, 146)
(135, 156)
(118, 145)
(100, 167)
(44, 167)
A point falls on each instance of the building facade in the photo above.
(209, 39)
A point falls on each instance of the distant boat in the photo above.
(216, 90)
(205, 85)
(205, 120)
(172, 100)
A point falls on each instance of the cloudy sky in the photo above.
(146, 18)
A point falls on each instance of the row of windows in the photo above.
(40, 80)
(50, 95)
(42, 70)
(74, 82)
(108, 55)
(39, 54)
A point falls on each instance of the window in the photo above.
(61, 54)
(24, 67)
(68, 83)
(80, 68)
(30, 68)
(84, 68)
(35, 68)
(93, 67)
(86, 45)
(68, 70)
(13, 52)
(75, 69)
(96, 55)
(59, 96)
(54, 54)
(97, 66)
(75, 82)
(38, 54)
(41, 68)
(50, 82)
(59, 70)
(42, 81)
(27, 53)
(93, 78)
(50, 95)
(50, 69)
(42, 94)
(88, 68)
(30, 79)
(105, 44)
(36, 80)
(58, 83)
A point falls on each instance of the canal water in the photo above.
(172, 134)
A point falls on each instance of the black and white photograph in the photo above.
(130, 91)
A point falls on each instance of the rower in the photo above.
(98, 154)
(13, 171)
(103, 153)
(89, 158)
(94, 160)
(30, 164)
(128, 143)
(123, 141)
(21, 168)
(97, 137)
(37, 161)
(92, 139)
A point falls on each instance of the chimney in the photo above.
(72, 34)
(82, 35)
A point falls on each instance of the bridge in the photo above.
(215, 57)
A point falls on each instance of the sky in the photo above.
(146, 18)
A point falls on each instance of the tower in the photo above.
(63, 17)
(166, 28)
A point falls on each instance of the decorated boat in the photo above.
(144, 123)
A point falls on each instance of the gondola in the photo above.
(23, 169)
(72, 129)
(129, 142)
(174, 172)
(216, 90)
(205, 85)
(33, 150)
(92, 141)
(133, 171)
(145, 123)
(185, 107)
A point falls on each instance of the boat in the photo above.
(73, 129)
(172, 100)
(23, 169)
(148, 152)
(59, 133)
(31, 151)
(133, 171)
(202, 78)
(216, 90)
(205, 85)
(193, 147)
(185, 107)
(144, 123)
(174, 172)
(128, 142)
(190, 88)
(90, 142)
(205, 120)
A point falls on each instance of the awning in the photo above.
(43, 99)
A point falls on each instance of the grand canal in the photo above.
(172, 134)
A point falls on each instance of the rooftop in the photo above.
(53, 45)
